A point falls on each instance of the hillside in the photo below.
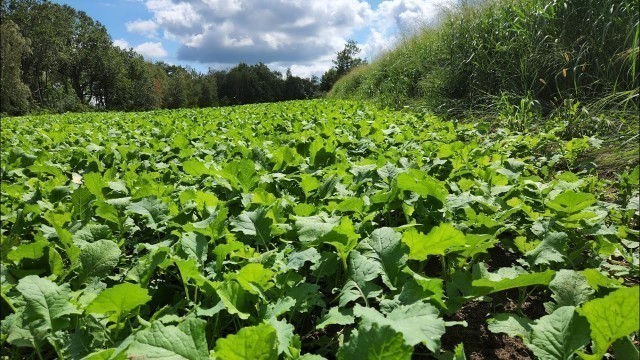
(521, 59)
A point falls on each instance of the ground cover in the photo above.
(304, 230)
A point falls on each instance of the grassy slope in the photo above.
(523, 64)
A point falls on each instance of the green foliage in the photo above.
(58, 59)
(255, 342)
(518, 60)
(14, 94)
(305, 229)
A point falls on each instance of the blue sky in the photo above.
(299, 34)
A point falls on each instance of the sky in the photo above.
(302, 35)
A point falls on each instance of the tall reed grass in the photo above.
(555, 53)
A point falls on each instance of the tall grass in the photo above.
(553, 53)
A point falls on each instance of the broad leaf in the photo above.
(418, 322)
(422, 184)
(256, 224)
(571, 202)
(552, 248)
(438, 241)
(47, 306)
(612, 317)
(154, 211)
(375, 342)
(254, 342)
(98, 258)
(185, 341)
(509, 279)
(570, 288)
(512, 325)
(118, 301)
(312, 228)
(559, 335)
(385, 249)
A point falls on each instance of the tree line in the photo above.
(57, 59)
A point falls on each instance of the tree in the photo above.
(14, 94)
(89, 46)
(208, 90)
(343, 63)
(328, 79)
(346, 58)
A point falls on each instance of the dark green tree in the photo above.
(208, 90)
(346, 59)
(14, 94)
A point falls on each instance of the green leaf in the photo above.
(47, 306)
(375, 342)
(509, 279)
(92, 233)
(308, 184)
(285, 334)
(596, 279)
(186, 341)
(385, 249)
(336, 316)
(118, 301)
(195, 167)
(553, 248)
(421, 288)
(312, 228)
(154, 211)
(82, 199)
(343, 237)
(559, 335)
(32, 251)
(624, 349)
(352, 204)
(242, 173)
(189, 270)
(93, 182)
(278, 308)
(296, 260)
(512, 325)
(438, 241)
(612, 317)
(98, 258)
(570, 288)
(56, 265)
(214, 226)
(571, 202)
(234, 298)
(105, 354)
(254, 223)
(254, 342)
(361, 272)
(195, 246)
(146, 266)
(418, 322)
(422, 184)
(255, 278)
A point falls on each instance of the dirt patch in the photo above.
(479, 342)
(500, 257)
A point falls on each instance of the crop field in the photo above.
(309, 230)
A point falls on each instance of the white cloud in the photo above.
(143, 27)
(121, 43)
(301, 34)
(151, 50)
(394, 19)
(231, 31)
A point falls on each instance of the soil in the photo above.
(479, 342)
(499, 258)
